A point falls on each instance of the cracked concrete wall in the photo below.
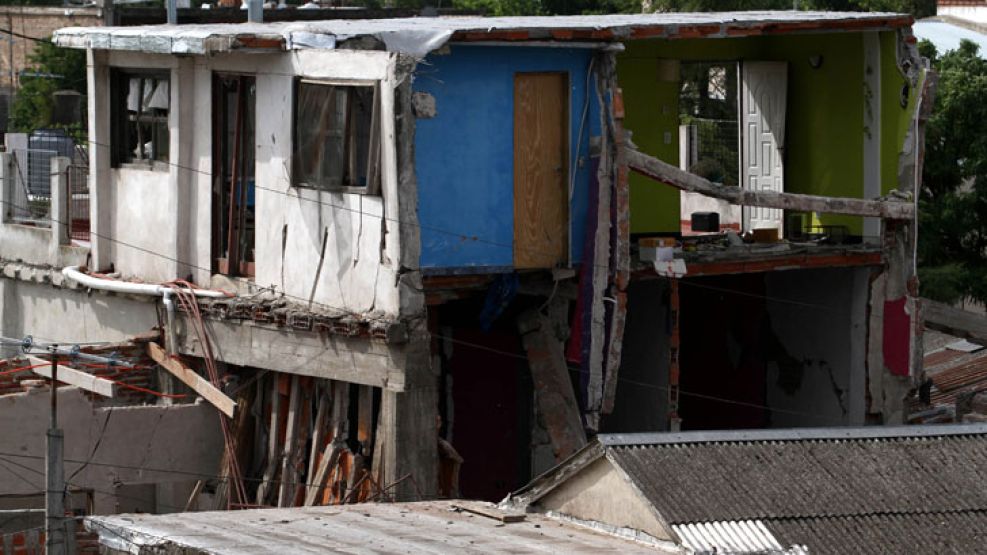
(819, 318)
(126, 445)
(56, 314)
(164, 215)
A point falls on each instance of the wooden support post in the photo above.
(264, 489)
(321, 415)
(554, 396)
(192, 379)
(674, 344)
(330, 457)
(663, 172)
(289, 475)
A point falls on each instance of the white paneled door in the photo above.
(764, 90)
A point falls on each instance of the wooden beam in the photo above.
(264, 489)
(289, 476)
(664, 172)
(71, 376)
(190, 378)
(955, 321)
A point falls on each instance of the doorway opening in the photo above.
(233, 201)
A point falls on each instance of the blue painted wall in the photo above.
(464, 157)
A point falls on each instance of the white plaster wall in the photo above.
(823, 325)
(601, 493)
(144, 220)
(971, 13)
(140, 445)
(70, 316)
(169, 212)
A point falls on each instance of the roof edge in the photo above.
(793, 434)
(547, 481)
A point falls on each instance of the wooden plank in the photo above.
(951, 320)
(272, 443)
(490, 511)
(321, 415)
(71, 376)
(541, 214)
(333, 451)
(663, 172)
(289, 475)
(192, 379)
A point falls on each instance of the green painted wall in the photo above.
(825, 115)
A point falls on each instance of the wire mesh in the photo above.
(714, 147)
(32, 187)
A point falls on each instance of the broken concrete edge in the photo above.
(276, 311)
(419, 36)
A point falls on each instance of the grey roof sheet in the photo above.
(739, 476)
(424, 527)
(955, 532)
(418, 35)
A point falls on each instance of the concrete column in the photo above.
(8, 179)
(409, 425)
(100, 182)
(59, 209)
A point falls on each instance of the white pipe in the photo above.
(73, 273)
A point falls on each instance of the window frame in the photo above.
(374, 148)
(120, 156)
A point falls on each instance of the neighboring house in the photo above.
(428, 229)
(973, 11)
(911, 489)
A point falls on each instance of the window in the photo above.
(141, 101)
(708, 113)
(337, 138)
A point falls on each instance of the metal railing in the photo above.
(78, 201)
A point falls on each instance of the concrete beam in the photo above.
(350, 359)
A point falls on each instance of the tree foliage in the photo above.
(918, 8)
(52, 69)
(952, 231)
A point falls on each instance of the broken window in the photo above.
(337, 138)
(141, 101)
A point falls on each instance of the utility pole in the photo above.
(55, 473)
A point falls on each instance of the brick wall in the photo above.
(39, 22)
(32, 542)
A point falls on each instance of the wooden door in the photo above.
(764, 93)
(541, 156)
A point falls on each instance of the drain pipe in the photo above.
(166, 293)
(153, 289)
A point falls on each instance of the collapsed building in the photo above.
(434, 256)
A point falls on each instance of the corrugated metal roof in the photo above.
(425, 527)
(720, 479)
(728, 537)
(420, 35)
(893, 534)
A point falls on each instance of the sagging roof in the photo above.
(423, 527)
(420, 35)
(826, 488)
